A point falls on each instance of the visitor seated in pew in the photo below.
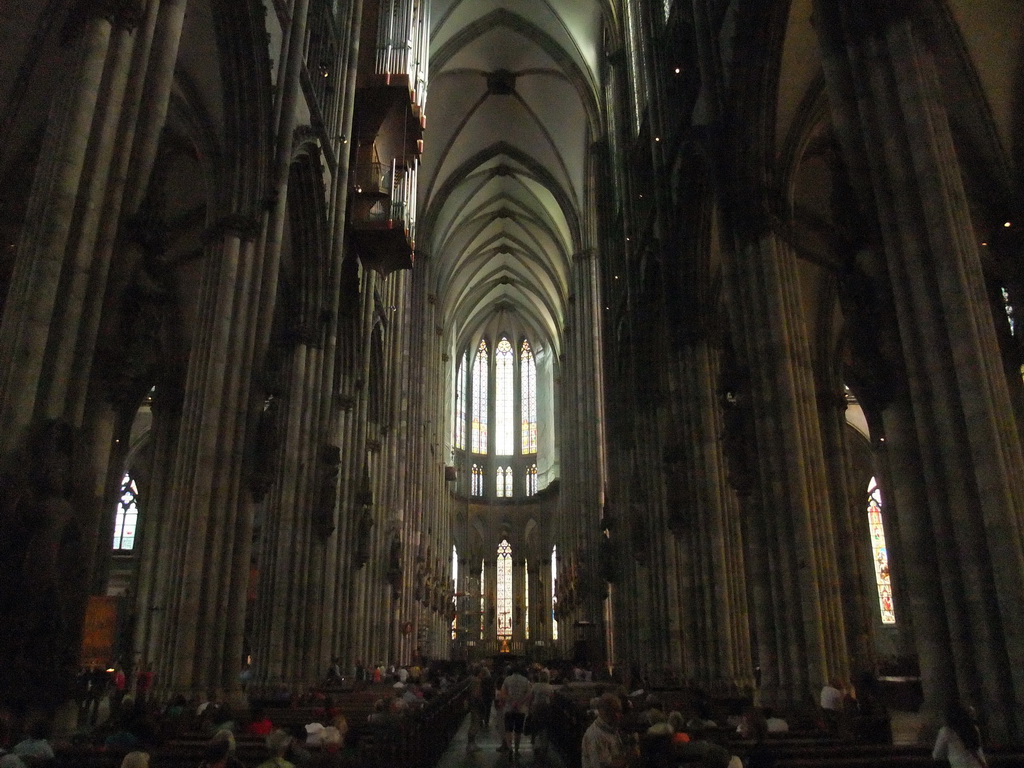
(278, 744)
(36, 749)
(135, 760)
(259, 724)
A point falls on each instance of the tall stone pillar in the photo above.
(802, 635)
(25, 327)
(958, 470)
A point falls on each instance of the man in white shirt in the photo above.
(515, 693)
(602, 744)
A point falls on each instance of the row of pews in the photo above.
(804, 747)
(417, 739)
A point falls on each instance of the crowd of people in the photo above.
(627, 730)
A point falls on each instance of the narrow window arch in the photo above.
(531, 480)
(455, 592)
(504, 590)
(483, 597)
(504, 390)
(477, 487)
(880, 554)
(459, 417)
(526, 600)
(528, 397)
(499, 483)
(126, 519)
(1008, 308)
(479, 436)
(554, 597)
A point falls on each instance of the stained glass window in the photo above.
(480, 399)
(504, 388)
(554, 584)
(477, 488)
(483, 597)
(459, 417)
(526, 600)
(879, 553)
(531, 480)
(455, 589)
(1008, 308)
(504, 591)
(499, 483)
(528, 397)
(127, 518)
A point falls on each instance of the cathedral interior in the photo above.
(669, 336)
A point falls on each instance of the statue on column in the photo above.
(365, 528)
(41, 582)
(323, 512)
(395, 566)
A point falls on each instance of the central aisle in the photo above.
(487, 754)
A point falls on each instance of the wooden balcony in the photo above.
(387, 103)
(382, 215)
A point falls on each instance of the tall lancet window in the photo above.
(880, 553)
(1009, 309)
(526, 600)
(479, 437)
(503, 483)
(477, 488)
(528, 397)
(504, 387)
(504, 591)
(554, 598)
(455, 591)
(531, 480)
(127, 518)
(459, 417)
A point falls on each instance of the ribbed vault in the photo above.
(503, 182)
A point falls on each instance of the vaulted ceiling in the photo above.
(503, 181)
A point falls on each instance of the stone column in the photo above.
(957, 463)
(39, 263)
(794, 528)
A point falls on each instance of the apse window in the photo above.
(495, 401)
(504, 591)
(880, 553)
(127, 517)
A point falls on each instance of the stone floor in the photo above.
(487, 755)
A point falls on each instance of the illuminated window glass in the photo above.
(879, 552)
(508, 482)
(504, 591)
(531, 480)
(127, 518)
(459, 417)
(528, 397)
(477, 488)
(554, 584)
(504, 387)
(483, 597)
(526, 600)
(1008, 308)
(499, 483)
(480, 399)
(455, 589)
